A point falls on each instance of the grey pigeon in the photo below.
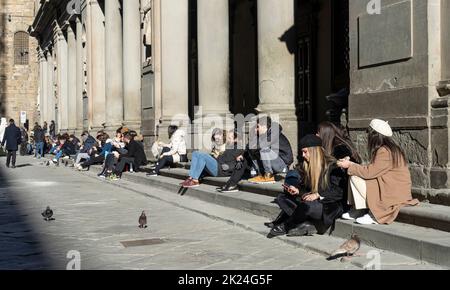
(48, 214)
(143, 221)
(349, 248)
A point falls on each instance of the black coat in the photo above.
(68, 149)
(39, 135)
(12, 138)
(136, 151)
(227, 161)
(332, 197)
(278, 143)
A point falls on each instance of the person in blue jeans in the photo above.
(222, 166)
(39, 138)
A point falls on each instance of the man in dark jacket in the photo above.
(274, 150)
(12, 138)
(135, 155)
(39, 138)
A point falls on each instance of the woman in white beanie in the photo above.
(384, 186)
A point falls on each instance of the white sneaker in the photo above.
(353, 214)
(366, 220)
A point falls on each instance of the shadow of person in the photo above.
(290, 39)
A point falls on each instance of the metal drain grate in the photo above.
(141, 243)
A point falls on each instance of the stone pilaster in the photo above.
(72, 79)
(132, 64)
(276, 66)
(114, 64)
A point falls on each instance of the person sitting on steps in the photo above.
(380, 189)
(313, 193)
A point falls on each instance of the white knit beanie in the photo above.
(381, 127)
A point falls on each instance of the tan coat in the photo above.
(388, 188)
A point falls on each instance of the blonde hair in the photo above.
(316, 170)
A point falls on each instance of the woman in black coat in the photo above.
(313, 194)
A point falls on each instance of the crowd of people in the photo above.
(328, 183)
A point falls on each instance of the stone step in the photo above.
(425, 215)
(424, 244)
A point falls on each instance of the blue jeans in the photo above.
(271, 162)
(58, 155)
(39, 149)
(201, 162)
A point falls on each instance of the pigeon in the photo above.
(143, 221)
(349, 248)
(48, 214)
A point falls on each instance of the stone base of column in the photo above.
(286, 115)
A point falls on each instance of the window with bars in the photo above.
(21, 48)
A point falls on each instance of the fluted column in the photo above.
(79, 76)
(174, 59)
(50, 104)
(114, 64)
(213, 56)
(277, 65)
(97, 66)
(132, 63)
(63, 104)
(43, 86)
(72, 79)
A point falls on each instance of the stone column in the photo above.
(72, 79)
(63, 104)
(50, 106)
(440, 113)
(79, 76)
(213, 56)
(277, 65)
(97, 67)
(174, 61)
(43, 87)
(132, 63)
(114, 64)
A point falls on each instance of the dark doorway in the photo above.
(322, 62)
(244, 96)
(193, 58)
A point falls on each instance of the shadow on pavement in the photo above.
(20, 248)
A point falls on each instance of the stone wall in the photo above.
(18, 83)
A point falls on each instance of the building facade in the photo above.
(18, 62)
(146, 63)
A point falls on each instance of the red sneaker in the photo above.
(190, 183)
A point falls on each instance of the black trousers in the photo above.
(122, 162)
(299, 211)
(240, 171)
(93, 160)
(167, 160)
(9, 156)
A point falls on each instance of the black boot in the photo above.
(281, 218)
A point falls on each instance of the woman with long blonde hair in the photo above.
(313, 193)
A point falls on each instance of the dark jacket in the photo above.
(136, 151)
(39, 135)
(12, 138)
(278, 143)
(88, 144)
(68, 148)
(332, 196)
(227, 161)
(52, 130)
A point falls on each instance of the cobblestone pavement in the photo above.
(99, 221)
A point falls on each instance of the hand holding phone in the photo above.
(291, 189)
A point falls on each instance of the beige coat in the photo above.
(388, 188)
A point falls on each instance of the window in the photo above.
(21, 51)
